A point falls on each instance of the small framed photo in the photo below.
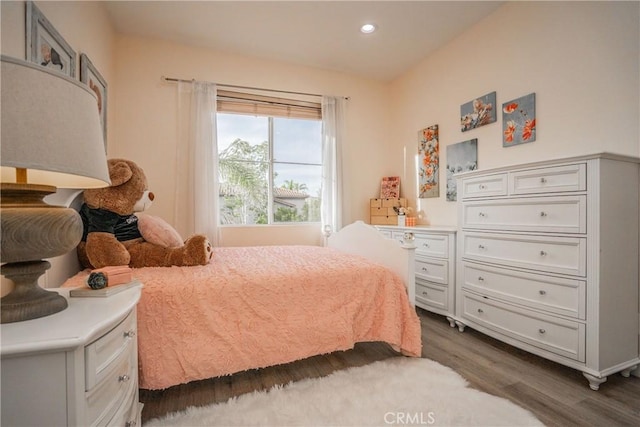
(92, 78)
(45, 46)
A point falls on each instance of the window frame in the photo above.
(271, 163)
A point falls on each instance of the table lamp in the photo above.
(51, 136)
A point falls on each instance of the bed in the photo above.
(253, 307)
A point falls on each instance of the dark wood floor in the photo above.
(557, 395)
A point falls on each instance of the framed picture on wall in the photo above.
(479, 112)
(45, 46)
(90, 75)
(519, 121)
(429, 167)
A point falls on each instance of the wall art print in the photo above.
(519, 121)
(45, 45)
(429, 163)
(461, 157)
(479, 112)
(98, 85)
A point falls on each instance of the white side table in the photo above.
(75, 367)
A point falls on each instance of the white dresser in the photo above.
(548, 260)
(434, 266)
(78, 367)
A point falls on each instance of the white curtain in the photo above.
(333, 116)
(196, 190)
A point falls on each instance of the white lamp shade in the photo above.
(50, 126)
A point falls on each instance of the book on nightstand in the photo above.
(104, 292)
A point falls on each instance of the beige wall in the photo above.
(147, 125)
(580, 59)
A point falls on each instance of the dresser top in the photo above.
(427, 228)
(554, 162)
(85, 319)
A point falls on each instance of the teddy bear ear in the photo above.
(119, 172)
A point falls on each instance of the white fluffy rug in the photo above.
(398, 391)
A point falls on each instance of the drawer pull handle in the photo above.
(480, 279)
(480, 246)
(426, 245)
(482, 186)
(124, 378)
(482, 214)
(130, 334)
(542, 292)
(543, 253)
(425, 269)
(543, 214)
(424, 293)
(130, 424)
(543, 180)
(542, 331)
(480, 310)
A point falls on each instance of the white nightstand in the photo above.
(434, 266)
(76, 367)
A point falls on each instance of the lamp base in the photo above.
(32, 230)
(28, 300)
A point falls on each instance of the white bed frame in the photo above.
(357, 238)
(365, 240)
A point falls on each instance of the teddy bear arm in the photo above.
(103, 249)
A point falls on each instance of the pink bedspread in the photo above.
(253, 307)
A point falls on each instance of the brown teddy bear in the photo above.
(114, 235)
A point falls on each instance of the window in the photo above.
(270, 161)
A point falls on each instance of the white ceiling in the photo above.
(323, 34)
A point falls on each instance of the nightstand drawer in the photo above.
(433, 270)
(109, 349)
(559, 336)
(106, 398)
(490, 185)
(432, 294)
(549, 180)
(552, 294)
(549, 254)
(565, 214)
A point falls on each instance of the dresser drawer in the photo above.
(432, 245)
(549, 180)
(559, 336)
(106, 398)
(566, 214)
(552, 294)
(431, 294)
(483, 186)
(551, 254)
(433, 270)
(109, 349)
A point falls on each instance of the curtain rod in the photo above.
(173, 79)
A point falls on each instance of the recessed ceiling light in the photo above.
(368, 28)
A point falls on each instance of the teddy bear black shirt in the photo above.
(124, 227)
